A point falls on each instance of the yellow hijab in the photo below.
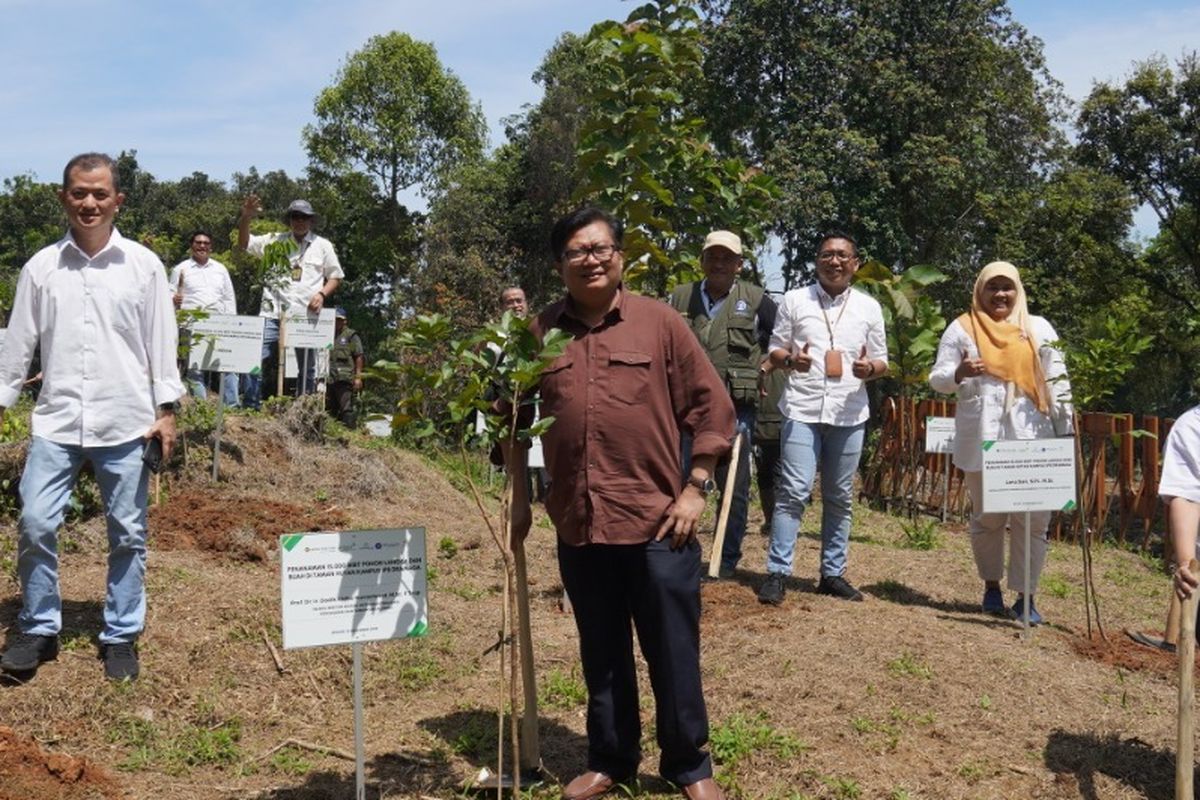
(1009, 349)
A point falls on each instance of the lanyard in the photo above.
(830, 327)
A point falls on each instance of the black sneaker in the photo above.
(25, 651)
(772, 589)
(120, 661)
(837, 586)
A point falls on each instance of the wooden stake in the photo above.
(714, 560)
(531, 753)
(1185, 746)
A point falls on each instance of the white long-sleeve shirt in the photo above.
(806, 316)
(107, 331)
(206, 286)
(1181, 459)
(313, 263)
(979, 412)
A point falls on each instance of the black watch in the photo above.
(706, 486)
(172, 406)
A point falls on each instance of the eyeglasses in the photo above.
(601, 252)
(829, 256)
(295, 215)
(207, 245)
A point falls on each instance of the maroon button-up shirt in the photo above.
(620, 395)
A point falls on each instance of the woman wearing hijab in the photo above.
(1011, 383)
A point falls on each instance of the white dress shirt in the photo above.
(806, 316)
(107, 331)
(313, 263)
(979, 412)
(1181, 460)
(206, 286)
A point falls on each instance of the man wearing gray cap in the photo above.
(314, 278)
(733, 320)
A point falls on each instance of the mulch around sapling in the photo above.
(27, 771)
(1121, 651)
(244, 527)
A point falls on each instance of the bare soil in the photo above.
(910, 694)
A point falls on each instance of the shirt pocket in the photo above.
(629, 376)
(120, 306)
(557, 384)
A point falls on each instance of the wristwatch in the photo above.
(706, 486)
(172, 407)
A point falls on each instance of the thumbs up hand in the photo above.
(863, 367)
(801, 360)
(969, 368)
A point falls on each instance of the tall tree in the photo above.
(395, 113)
(645, 151)
(902, 121)
(1147, 134)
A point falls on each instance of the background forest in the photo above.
(932, 131)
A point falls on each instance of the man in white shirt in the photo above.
(99, 306)
(203, 283)
(315, 276)
(831, 340)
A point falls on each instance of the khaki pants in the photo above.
(987, 540)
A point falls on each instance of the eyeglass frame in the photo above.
(580, 255)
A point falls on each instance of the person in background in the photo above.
(346, 364)
(315, 275)
(732, 319)
(1180, 490)
(203, 283)
(1011, 383)
(99, 306)
(830, 339)
(513, 299)
(768, 424)
(632, 379)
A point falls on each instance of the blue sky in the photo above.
(220, 86)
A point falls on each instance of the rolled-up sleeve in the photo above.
(161, 338)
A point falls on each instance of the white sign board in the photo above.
(939, 434)
(305, 330)
(353, 586)
(227, 343)
(1028, 475)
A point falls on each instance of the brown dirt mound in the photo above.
(1121, 651)
(28, 772)
(245, 527)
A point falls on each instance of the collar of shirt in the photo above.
(115, 242)
(711, 306)
(828, 300)
(566, 308)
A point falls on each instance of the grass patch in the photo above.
(908, 666)
(563, 690)
(291, 761)
(1056, 585)
(177, 751)
(920, 534)
(739, 736)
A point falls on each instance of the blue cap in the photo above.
(341, 313)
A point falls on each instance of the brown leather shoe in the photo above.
(706, 789)
(589, 784)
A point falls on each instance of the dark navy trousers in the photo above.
(615, 589)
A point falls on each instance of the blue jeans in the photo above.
(739, 506)
(50, 473)
(803, 446)
(229, 386)
(253, 384)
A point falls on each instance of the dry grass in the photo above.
(912, 693)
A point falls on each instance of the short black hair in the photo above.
(566, 226)
(199, 232)
(91, 161)
(837, 233)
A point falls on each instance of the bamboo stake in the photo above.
(1185, 747)
(714, 560)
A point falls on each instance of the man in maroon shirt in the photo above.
(633, 378)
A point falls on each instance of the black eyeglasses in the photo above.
(202, 244)
(601, 252)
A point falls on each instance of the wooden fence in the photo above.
(1117, 461)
